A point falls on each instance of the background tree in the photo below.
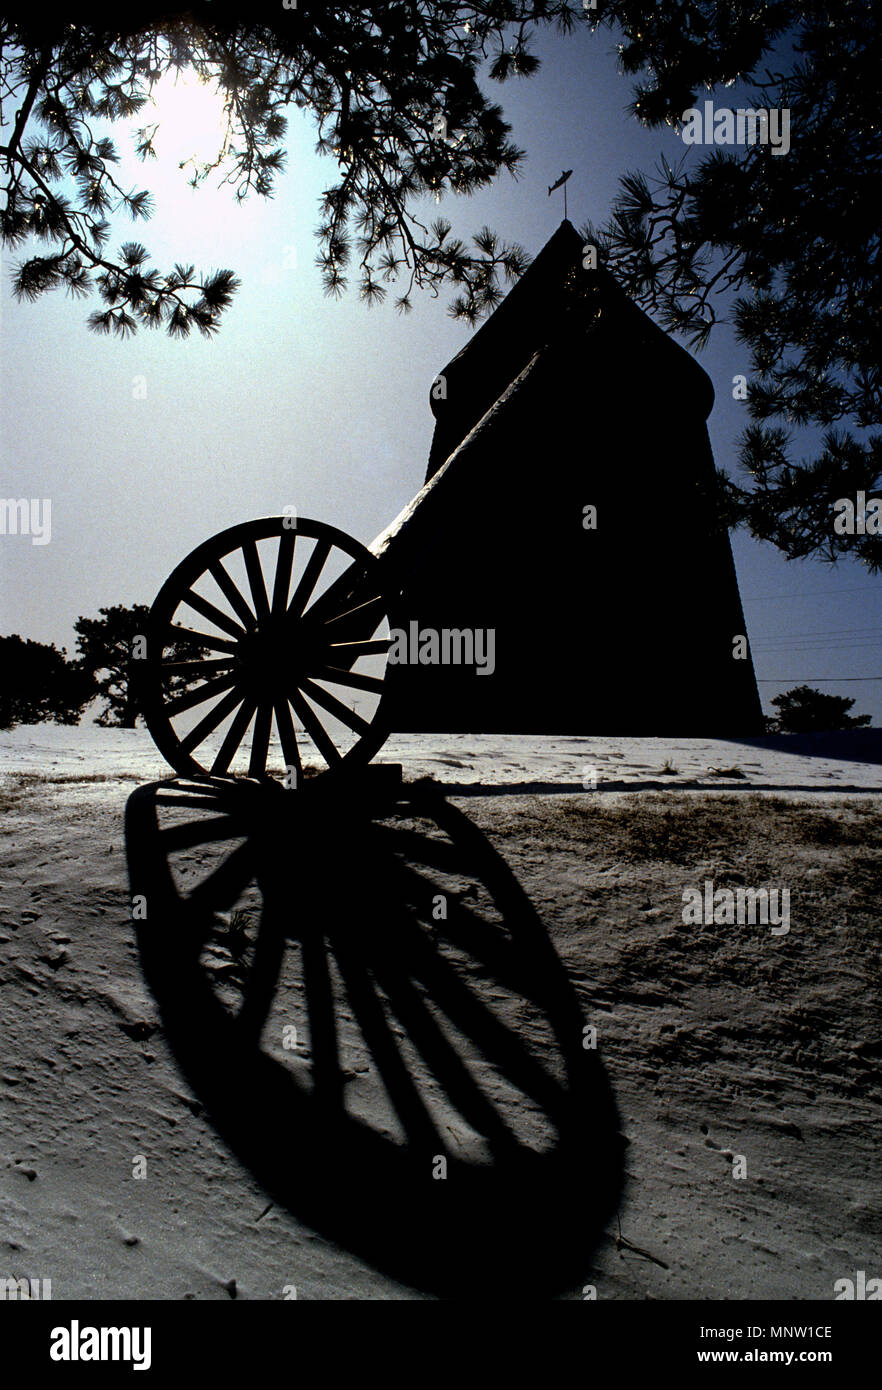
(106, 647)
(38, 683)
(786, 246)
(804, 711)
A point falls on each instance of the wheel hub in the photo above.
(278, 651)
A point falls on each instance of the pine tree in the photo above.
(803, 710)
(786, 247)
(107, 650)
(38, 683)
(393, 90)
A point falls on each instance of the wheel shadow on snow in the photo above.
(391, 931)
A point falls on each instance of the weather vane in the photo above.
(562, 183)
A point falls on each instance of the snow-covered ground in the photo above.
(744, 1065)
(820, 763)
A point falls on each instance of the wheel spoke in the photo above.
(342, 590)
(213, 614)
(308, 580)
(260, 739)
(214, 644)
(284, 563)
(233, 595)
(178, 703)
(377, 647)
(335, 707)
(327, 1076)
(314, 728)
(353, 678)
(222, 887)
(232, 682)
(359, 608)
(290, 750)
(211, 720)
(263, 979)
(406, 1097)
(256, 580)
(441, 1057)
(234, 737)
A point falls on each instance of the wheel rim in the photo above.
(266, 654)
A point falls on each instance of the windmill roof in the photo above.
(555, 295)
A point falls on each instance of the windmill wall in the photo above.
(569, 397)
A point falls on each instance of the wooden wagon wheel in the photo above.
(279, 622)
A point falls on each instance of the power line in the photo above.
(819, 639)
(835, 631)
(791, 647)
(816, 649)
(825, 593)
(843, 639)
(820, 680)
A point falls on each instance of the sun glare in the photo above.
(191, 118)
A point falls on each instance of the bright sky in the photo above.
(148, 446)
